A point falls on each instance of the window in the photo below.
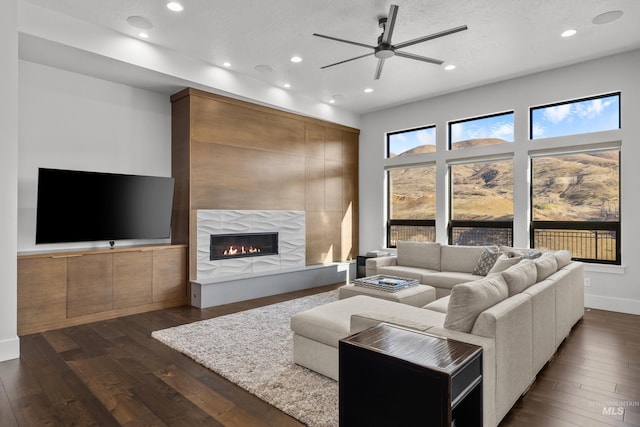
(413, 141)
(481, 203)
(412, 204)
(487, 130)
(585, 115)
(575, 201)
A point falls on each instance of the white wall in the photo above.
(9, 343)
(612, 288)
(72, 121)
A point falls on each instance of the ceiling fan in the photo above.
(385, 50)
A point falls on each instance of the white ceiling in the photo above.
(505, 39)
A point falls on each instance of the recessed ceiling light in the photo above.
(226, 64)
(450, 67)
(174, 6)
(332, 101)
(605, 18)
(143, 35)
(263, 68)
(140, 22)
(286, 85)
(368, 90)
(296, 59)
(568, 33)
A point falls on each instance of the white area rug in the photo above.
(253, 349)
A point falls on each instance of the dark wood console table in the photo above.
(395, 376)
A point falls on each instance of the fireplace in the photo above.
(242, 245)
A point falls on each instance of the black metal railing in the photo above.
(481, 233)
(415, 230)
(587, 241)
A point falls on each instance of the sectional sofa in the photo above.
(519, 311)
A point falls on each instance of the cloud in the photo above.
(537, 130)
(427, 137)
(502, 131)
(558, 113)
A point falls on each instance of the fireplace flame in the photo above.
(234, 250)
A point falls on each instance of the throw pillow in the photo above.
(468, 300)
(520, 276)
(503, 262)
(485, 262)
(546, 265)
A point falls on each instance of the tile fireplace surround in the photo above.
(290, 226)
(222, 281)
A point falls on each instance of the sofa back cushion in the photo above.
(520, 276)
(503, 262)
(546, 265)
(468, 300)
(461, 259)
(419, 254)
(563, 257)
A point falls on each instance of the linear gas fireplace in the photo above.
(242, 245)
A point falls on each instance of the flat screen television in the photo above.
(79, 206)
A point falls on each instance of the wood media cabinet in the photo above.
(60, 289)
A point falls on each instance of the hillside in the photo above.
(580, 187)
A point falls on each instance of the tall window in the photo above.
(412, 204)
(575, 201)
(480, 131)
(410, 142)
(481, 203)
(585, 115)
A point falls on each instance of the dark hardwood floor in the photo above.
(113, 373)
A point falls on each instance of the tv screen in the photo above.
(77, 206)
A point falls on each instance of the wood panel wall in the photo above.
(231, 154)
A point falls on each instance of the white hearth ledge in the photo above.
(226, 290)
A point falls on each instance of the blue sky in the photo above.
(575, 118)
(405, 141)
(560, 120)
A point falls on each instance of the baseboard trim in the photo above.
(620, 305)
(10, 349)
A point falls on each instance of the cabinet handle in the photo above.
(66, 256)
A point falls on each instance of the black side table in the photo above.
(396, 376)
(361, 266)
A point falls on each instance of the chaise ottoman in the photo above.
(317, 331)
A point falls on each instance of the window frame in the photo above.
(397, 132)
(615, 226)
(470, 119)
(573, 101)
(404, 222)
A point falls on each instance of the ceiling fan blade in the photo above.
(344, 41)
(347, 60)
(419, 58)
(391, 22)
(431, 37)
(379, 69)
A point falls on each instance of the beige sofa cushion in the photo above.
(546, 265)
(403, 271)
(503, 262)
(563, 258)
(461, 259)
(446, 279)
(440, 305)
(520, 276)
(419, 254)
(468, 300)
